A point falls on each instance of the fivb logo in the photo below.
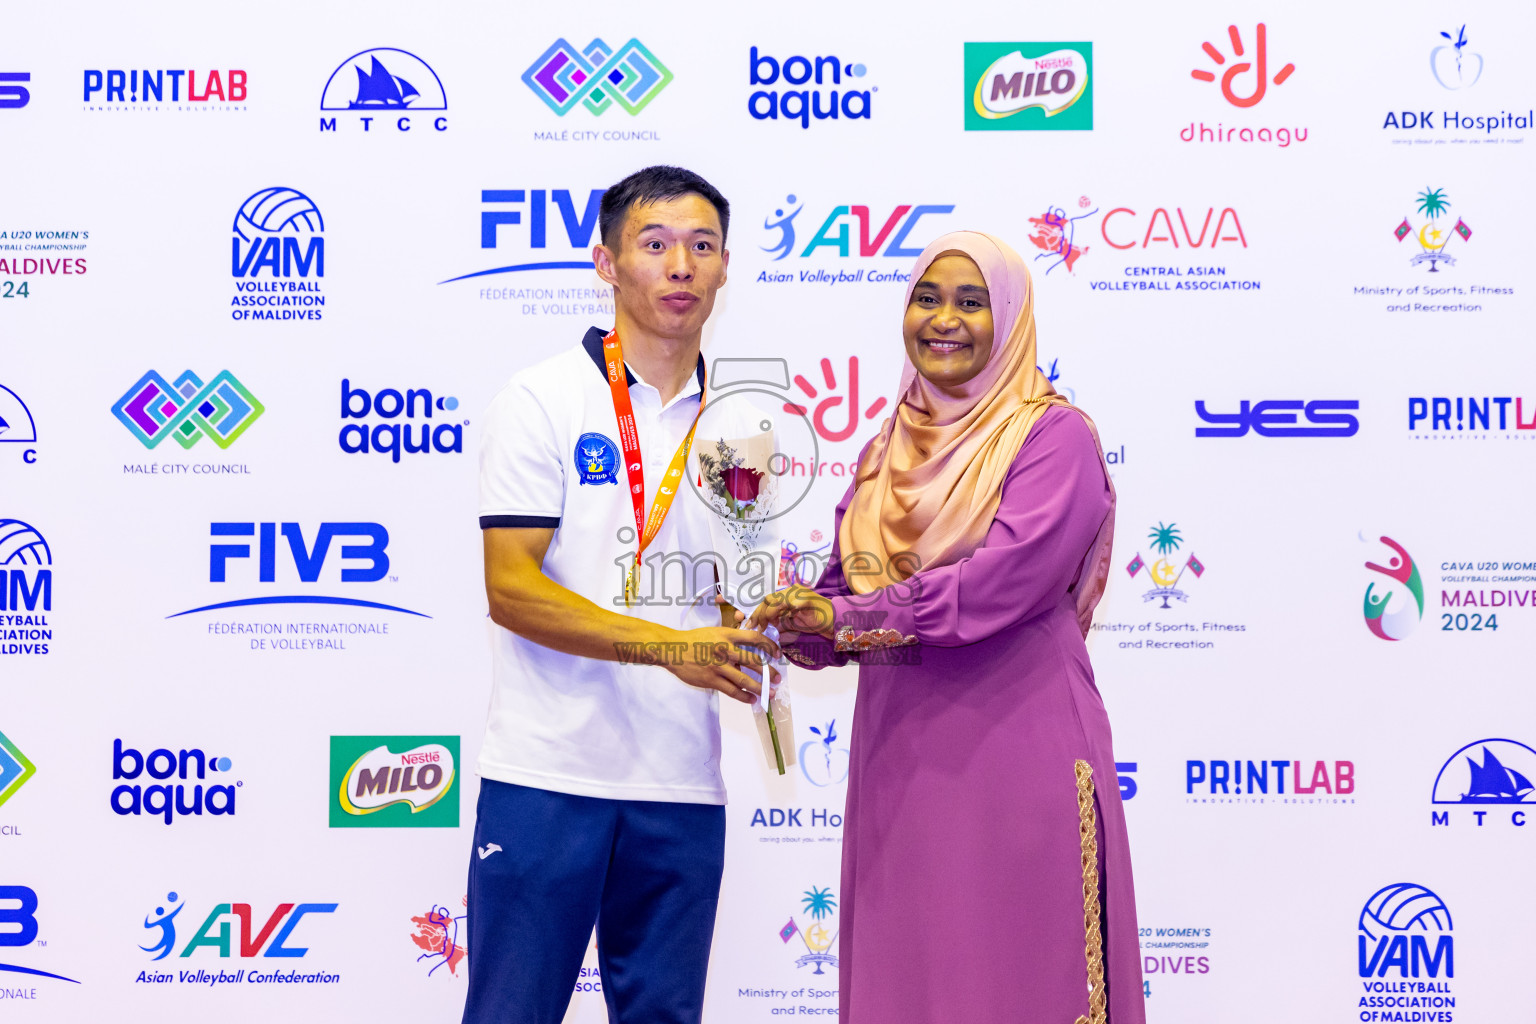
(268, 231)
(252, 944)
(173, 792)
(188, 410)
(579, 227)
(597, 77)
(389, 404)
(18, 927)
(1396, 928)
(394, 782)
(26, 589)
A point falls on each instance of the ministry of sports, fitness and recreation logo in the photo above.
(387, 85)
(1028, 86)
(1433, 235)
(277, 277)
(1397, 926)
(15, 769)
(394, 782)
(17, 425)
(1166, 572)
(1394, 599)
(820, 935)
(188, 410)
(597, 77)
(597, 459)
(1486, 777)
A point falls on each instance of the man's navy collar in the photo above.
(593, 343)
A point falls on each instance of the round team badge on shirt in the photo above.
(597, 459)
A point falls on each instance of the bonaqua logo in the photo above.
(391, 437)
(830, 98)
(173, 792)
(1395, 610)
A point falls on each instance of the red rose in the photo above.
(742, 483)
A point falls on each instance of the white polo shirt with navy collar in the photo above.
(550, 458)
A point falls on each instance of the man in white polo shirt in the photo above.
(601, 799)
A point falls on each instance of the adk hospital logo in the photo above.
(26, 590)
(277, 257)
(237, 931)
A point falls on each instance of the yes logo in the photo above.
(1279, 419)
(394, 782)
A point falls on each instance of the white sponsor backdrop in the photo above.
(1250, 902)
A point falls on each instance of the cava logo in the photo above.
(1394, 598)
(1405, 931)
(1486, 777)
(383, 84)
(1167, 571)
(1029, 86)
(439, 939)
(597, 77)
(17, 425)
(15, 770)
(277, 257)
(1433, 235)
(188, 410)
(394, 782)
(177, 783)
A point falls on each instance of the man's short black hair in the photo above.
(657, 184)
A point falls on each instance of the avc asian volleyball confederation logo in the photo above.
(1394, 600)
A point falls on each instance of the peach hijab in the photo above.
(931, 482)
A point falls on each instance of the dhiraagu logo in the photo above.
(1028, 87)
(394, 782)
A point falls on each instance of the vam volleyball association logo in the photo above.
(1394, 597)
(26, 589)
(1405, 931)
(277, 257)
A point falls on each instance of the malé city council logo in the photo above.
(188, 410)
(1028, 86)
(1431, 236)
(1394, 611)
(15, 769)
(597, 77)
(1165, 574)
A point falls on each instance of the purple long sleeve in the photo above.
(1054, 499)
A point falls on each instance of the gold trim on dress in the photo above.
(1087, 827)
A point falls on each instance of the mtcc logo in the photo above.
(257, 938)
(390, 404)
(1394, 611)
(17, 425)
(170, 794)
(1486, 777)
(387, 84)
(803, 104)
(188, 410)
(1397, 927)
(280, 231)
(597, 77)
(1243, 62)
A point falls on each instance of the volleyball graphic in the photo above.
(278, 211)
(21, 544)
(1404, 907)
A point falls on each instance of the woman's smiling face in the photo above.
(948, 326)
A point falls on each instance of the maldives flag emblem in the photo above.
(1136, 565)
(788, 931)
(1194, 565)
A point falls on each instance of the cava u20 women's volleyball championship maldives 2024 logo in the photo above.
(1394, 605)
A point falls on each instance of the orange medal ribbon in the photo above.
(646, 525)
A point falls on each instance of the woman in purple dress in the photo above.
(986, 869)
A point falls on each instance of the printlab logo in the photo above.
(1276, 418)
(438, 937)
(15, 770)
(142, 89)
(1164, 573)
(19, 927)
(822, 762)
(1454, 66)
(1486, 777)
(597, 77)
(508, 208)
(824, 102)
(1028, 86)
(268, 231)
(1432, 236)
(834, 235)
(173, 790)
(13, 92)
(821, 934)
(390, 437)
(384, 84)
(394, 782)
(309, 558)
(1231, 782)
(17, 425)
(1394, 611)
(26, 589)
(188, 410)
(1397, 925)
(269, 939)
(1474, 417)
